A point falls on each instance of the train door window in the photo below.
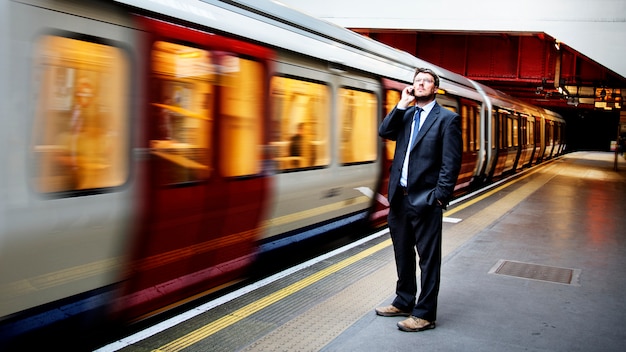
(357, 126)
(549, 133)
(465, 127)
(494, 131)
(522, 130)
(471, 143)
(537, 131)
(180, 121)
(514, 123)
(508, 137)
(530, 130)
(476, 115)
(502, 142)
(509, 132)
(242, 84)
(392, 96)
(555, 133)
(469, 120)
(81, 123)
(300, 120)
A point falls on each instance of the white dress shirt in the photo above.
(405, 166)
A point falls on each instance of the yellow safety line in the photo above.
(242, 313)
(483, 196)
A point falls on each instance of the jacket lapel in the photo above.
(430, 120)
(408, 119)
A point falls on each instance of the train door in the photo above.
(559, 138)
(531, 133)
(66, 183)
(513, 145)
(470, 122)
(493, 140)
(525, 146)
(500, 142)
(549, 139)
(528, 140)
(391, 96)
(357, 162)
(539, 147)
(204, 192)
(325, 143)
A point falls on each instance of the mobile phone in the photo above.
(411, 91)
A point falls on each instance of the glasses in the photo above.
(423, 80)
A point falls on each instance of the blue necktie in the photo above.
(416, 125)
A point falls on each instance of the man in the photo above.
(422, 179)
(295, 148)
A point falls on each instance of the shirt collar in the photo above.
(428, 107)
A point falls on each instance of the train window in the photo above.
(510, 130)
(475, 137)
(522, 130)
(469, 121)
(180, 121)
(471, 141)
(300, 120)
(450, 107)
(495, 141)
(465, 127)
(391, 100)
(469, 124)
(549, 133)
(530, 130)
(470, 118)
(514, 130)
(537, 131)
(241, 112)
(358, 126)
(502, 142)
(81, 123)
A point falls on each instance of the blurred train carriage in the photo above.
(152, 149)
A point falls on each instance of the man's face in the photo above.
(84, 95)
(424, 85)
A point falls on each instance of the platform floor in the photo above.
(535, 264)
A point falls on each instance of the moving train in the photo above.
(152, 149)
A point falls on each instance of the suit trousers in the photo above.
(410, 230)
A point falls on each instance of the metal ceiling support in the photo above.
(557, 66)
(514, 62)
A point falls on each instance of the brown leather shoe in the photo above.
(414, 324)
(391, 311)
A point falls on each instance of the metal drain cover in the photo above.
(536, 272)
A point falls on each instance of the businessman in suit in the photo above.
(423, 175)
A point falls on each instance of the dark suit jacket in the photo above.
(435, 160)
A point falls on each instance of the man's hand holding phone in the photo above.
(407, 98)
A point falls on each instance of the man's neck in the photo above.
(423, 102)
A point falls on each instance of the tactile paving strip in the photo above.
(322, 323)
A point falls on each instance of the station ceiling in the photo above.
(531, 66)
(559, 54)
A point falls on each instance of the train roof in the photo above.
(316, 26)
(551, 115)
(502, 99)
(506, 101)
(277, 25)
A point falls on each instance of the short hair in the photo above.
(428, 71)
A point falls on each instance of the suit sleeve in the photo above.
(452, 148)
(392, 124)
